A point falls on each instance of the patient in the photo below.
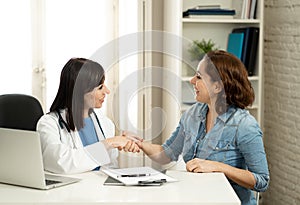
(74, 121)
(217, 134)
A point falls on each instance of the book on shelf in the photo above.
(210, 11)
(249, 48)
(235, 44)
(210, 16)
(213, 6)
(240, 9)
(248, 9)
(253, 9)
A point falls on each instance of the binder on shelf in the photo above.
(235, 44)
(250, 43)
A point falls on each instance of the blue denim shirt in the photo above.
(235, 139)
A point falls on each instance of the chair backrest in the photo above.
(19, 111)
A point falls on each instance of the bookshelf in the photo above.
(216, 29)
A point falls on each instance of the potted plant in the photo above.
(196, 52)
(199, 48)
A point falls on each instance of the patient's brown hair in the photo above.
(234, 76)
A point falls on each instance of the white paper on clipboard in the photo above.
(135, 175)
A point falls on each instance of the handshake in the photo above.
(127, 142)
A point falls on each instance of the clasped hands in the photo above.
(128, 142)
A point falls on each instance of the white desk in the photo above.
(209, 188)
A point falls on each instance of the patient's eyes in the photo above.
(198, 75)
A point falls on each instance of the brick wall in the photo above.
(282, 100)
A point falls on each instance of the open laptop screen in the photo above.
(21, 160)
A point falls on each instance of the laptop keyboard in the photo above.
(49, 182)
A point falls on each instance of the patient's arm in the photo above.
(154, 151)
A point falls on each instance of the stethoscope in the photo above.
(62, 123)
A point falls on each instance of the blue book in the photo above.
(235, 44)
(250, 45)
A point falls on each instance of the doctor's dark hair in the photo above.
(78, 77)
(233, 74)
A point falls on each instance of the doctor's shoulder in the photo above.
(48, 119)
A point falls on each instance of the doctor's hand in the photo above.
(131, 136)
(131, 146)
(121, 141)
(202, 165)
(134, 144)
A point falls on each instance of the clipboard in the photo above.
(112, 182)
(138, 176)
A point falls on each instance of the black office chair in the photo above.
(19, 111)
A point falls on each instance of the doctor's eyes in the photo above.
(100, 86)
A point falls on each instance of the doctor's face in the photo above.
(95, 98)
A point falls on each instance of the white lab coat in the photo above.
(63, 152)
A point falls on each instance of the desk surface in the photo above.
(191, 188)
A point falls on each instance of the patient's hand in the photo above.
(201, 165)
(131, 146)
(132, 136)
(122, 141)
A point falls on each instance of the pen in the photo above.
(152, 182)
(133, 175)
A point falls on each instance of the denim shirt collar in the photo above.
(202, 112)
(223, 117)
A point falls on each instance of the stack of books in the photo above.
(209, 11)
(246, 8)
(243, 42)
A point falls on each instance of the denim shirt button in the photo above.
(217, 148)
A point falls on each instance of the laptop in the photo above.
(21, 161)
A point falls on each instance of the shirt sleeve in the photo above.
(250, 144)
(174, 145)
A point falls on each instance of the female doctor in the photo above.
(72, 123)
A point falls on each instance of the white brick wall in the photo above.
(282, 100)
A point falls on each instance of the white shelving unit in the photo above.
(217, 30)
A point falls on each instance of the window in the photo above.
(128, 65)
(15, 50)
(74, 28)
(38, 34)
